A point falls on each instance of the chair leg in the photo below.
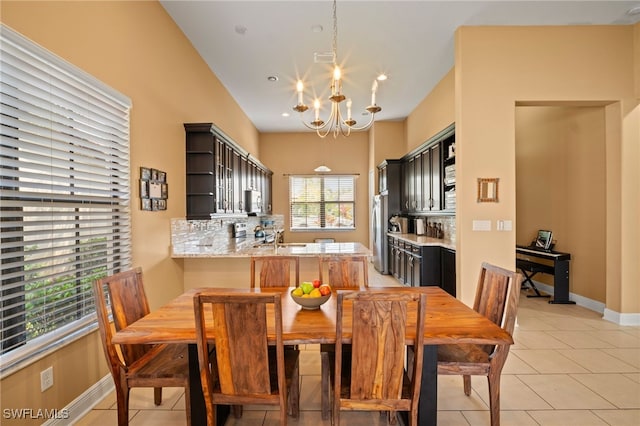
(467, 385)
(157, 396)
(325, 385)
(122, 401)
(494, 398)
(293, 395)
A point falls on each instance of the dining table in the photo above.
(448, 321)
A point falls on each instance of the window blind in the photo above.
(322, 202)
(64, 194)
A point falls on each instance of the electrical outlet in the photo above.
(46, 379)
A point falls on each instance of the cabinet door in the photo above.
(430, 266)
(449, 271)
(418, 190)
(409, 186)
(436, 178)
(416, 260)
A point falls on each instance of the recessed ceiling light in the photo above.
(272, 78)
(285, 114)
(241, 29)
(382, 77)
(317, 28)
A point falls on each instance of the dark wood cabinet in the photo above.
(218, 172)
(448, 280)
(414, 265)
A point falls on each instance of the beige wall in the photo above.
(137, 49)
(496, 67)
(433, 114)
(300, 153)
(560, 185)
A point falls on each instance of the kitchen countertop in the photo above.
(246, 248)
(422, 240)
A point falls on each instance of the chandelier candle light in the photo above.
(336, 124)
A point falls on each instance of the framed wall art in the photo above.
(154, 190)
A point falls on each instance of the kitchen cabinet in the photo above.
(449, 176)
(448, 270)
(414, 265)
(390, 184)
(423, 182)
(217, 173)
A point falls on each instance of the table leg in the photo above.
(198, 409)
(561, 283)
(428, 407)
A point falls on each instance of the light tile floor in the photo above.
(568, 367)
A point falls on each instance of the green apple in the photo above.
(306, 287)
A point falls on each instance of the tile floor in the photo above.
(567, 367)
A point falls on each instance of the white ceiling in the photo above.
(411, 41)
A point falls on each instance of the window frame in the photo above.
(65, 198)
(323, 203)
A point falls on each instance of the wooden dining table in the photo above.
(448, 321)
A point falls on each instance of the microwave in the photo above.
(252, 201)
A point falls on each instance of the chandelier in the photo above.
(336, 122)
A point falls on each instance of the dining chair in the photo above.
(341, 272)
(155, 366)
(344, 271)
(376, 378)
(244, 368)
(275, 271)
(497, 299)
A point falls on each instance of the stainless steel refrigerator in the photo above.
(379, 219)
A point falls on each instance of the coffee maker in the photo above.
(394, 224)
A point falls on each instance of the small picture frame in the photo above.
(162, 204)
(145, 204)
(144, 188)
(162, 176)
(154, 204)
(145, 173)
(488, 190)
(155, 190)
(154, 174)
(164, 191)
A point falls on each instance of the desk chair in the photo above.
(340, 272)
(155, 366)
(376, 379)
(275, 271)
(244, 369)
(497, 299)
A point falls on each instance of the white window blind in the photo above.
(322, 202)
(64, 194)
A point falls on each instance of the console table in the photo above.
(529, 262)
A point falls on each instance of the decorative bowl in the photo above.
(310, 303)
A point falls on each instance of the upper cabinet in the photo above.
(428, 176)
(218, 173)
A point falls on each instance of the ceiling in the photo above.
(245, 42)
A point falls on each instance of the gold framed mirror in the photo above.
(488, 190)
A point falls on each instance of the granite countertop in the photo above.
(422, 240)
(248, 248)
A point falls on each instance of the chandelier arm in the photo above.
(364, 126)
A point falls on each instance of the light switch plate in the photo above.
(481, 225)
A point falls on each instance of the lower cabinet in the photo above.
(414, 265)
(448, 269)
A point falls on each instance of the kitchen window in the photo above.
(322, 202)
(64, 198)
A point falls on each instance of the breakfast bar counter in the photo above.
(246, 249)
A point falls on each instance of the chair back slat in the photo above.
(275, 271)
(344, 271)
(491, 293)
(378, 345)
(241, 348)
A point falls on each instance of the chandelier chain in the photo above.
(335, 33)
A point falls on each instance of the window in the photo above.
(322, 202)
(64, 197)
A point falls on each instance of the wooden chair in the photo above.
(497, 299)
(245, 369)
(154, 366)
(275, 271)
(344, 271)
(341, 272)
(376, 379)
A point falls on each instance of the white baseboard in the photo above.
(84, 403)
(608, 314)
